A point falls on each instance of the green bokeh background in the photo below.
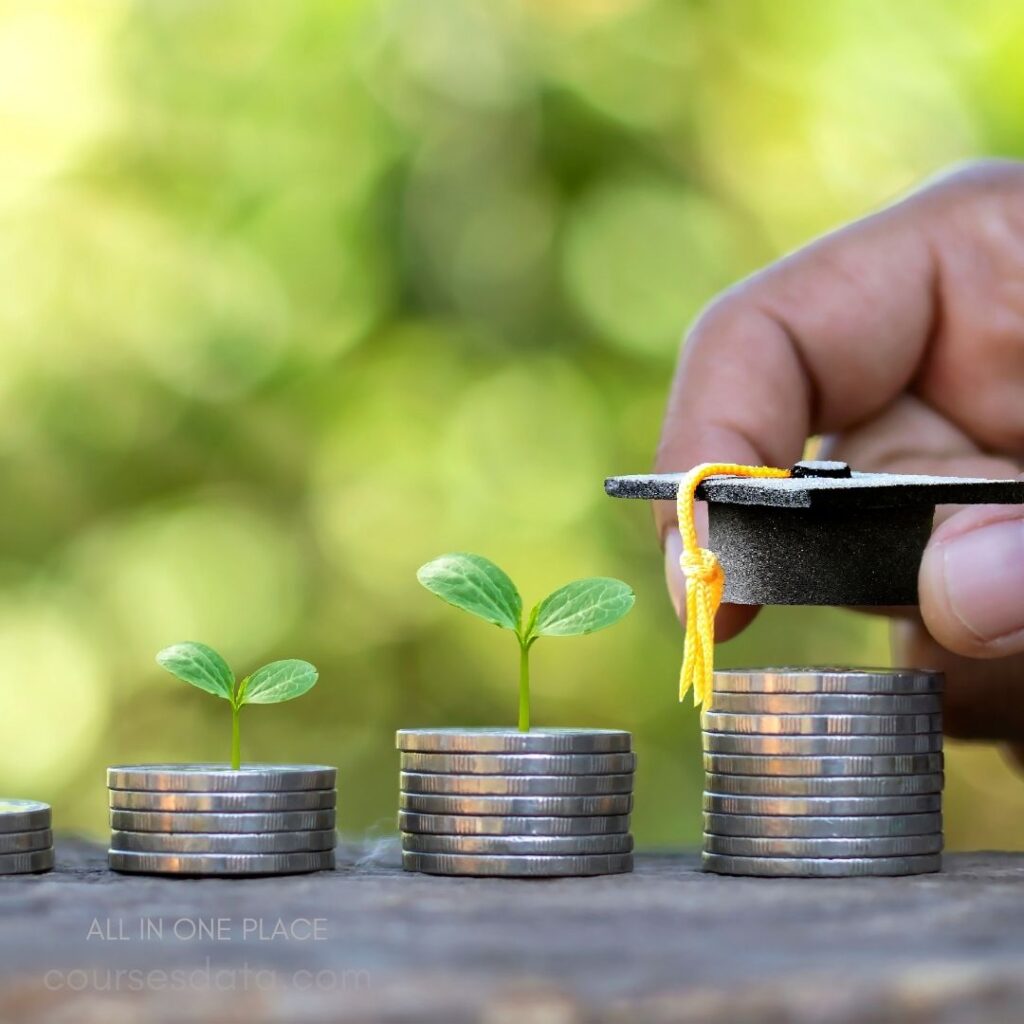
(294, 296)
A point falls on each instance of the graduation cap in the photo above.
(824, 534)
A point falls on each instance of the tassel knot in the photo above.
(705, 580)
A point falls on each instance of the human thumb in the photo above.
(971, 582)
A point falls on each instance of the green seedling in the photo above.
(478, 586)
(204, 668)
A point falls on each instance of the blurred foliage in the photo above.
(295, 296)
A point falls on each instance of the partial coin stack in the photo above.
(498, 802)
(208, 819)
(823, 772)
(26, 837)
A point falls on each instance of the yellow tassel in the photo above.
(705, 580)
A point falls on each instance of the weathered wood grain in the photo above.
(667, 943)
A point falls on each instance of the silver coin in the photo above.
(828, 680)
(517, 867)
(515, 785)
(160, 821)
(436, 803)
(811, 827)
(249, 803)
(219, 778)
(820, 725)
(878, 846)
(25, 842)
(518, 764)
(881, 764)
(499, 825)
(820, 867)
(24, 815)
(510, 741)
(220, 863)
(231, 842)
(827, 703)
(836, 746)
(825, 806)
(828, 786)
(26, 863)
(616, 842)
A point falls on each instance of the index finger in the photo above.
(813, 344)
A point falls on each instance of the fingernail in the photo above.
(984, 576)
(673, 574)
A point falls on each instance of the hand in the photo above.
(900, 339)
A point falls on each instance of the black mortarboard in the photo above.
(824, 535)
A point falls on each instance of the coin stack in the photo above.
(498, 802)
(823, 772)
(26, 839)
(208, 819)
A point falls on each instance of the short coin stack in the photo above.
(497, 802)
(208, 819)
(26, 839)
(823, 772)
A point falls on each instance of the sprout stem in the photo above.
(524, 686)
(236, 739)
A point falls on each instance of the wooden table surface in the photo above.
(369, 943)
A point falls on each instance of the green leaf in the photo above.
(583, 606)
(199, 665)
(475, 585)
(279, 681)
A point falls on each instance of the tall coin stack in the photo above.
(823, 772)
(498, 802)
(208, 819)
(26, 839)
